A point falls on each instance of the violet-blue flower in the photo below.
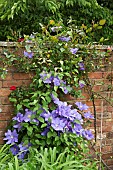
(56, 100)
(77, 129)
(74, 115)
(46, 130)
(46, 77)
(81, 84)
(87, 134)
(17, 126)
(73, 50)
(57, 124)
(35, 120)
(19, 117)
(81, 66)
(28, 54)
(23, 149)
(64, 89)
(88, 115)
(63, 38)
(56, 81)
(81, 106)
(14, 149)
(43, 74)
(27, 116)
(11, 137)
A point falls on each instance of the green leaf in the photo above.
(19, 107)
(48, 99)
(41, 119)
(77, 121)
(49, 134)
(102, 22)
(26, 100)
(99, 27)
(55, 88)
(43, 125)
(13, 100)
(102, 39)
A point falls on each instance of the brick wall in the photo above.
(102, 106)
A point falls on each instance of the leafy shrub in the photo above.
(25, 14)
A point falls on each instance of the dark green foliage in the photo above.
(23, 17)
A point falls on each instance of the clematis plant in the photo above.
(60, 124)
(43, 117)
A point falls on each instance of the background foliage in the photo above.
(28, 14)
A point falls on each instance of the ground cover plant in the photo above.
(46, 158)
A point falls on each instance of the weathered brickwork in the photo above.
(102, 107)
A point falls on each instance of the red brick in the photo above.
(106, 115)
(108, 142)
(109, 135)
(12, 83)
(7, 108)
(107, 156)
(8, 77)
(1, 141)
(2, 133)
(16, 83)
(0, 84)
(105, 149)
(5, 116)
(96, 101)
(3, 124)
(5, 92)
(22, 76)
(95, 75)
(110, 162)
(108, 128)
(96, 88)
(5, 101)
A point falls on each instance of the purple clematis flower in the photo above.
(87, 134)
(76, 116)
(19, 117)
(14, 149)
(56, 81)
(43, 74)
(81, 106)
(56, 100)
(47, 78)
(18, 126)
(81, 84)
(73, 50)
(36, 121)
(81, 66)
(11, 137)
(64, 89)
(88, 115)
(57, 124)
(27, 116)
(46, 130)
(77, 129)
(23, 149)
(28, 54)
(66, 39)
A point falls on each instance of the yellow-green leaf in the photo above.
(102, 22)
(102, 39)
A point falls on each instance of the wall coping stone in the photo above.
(15, 44)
